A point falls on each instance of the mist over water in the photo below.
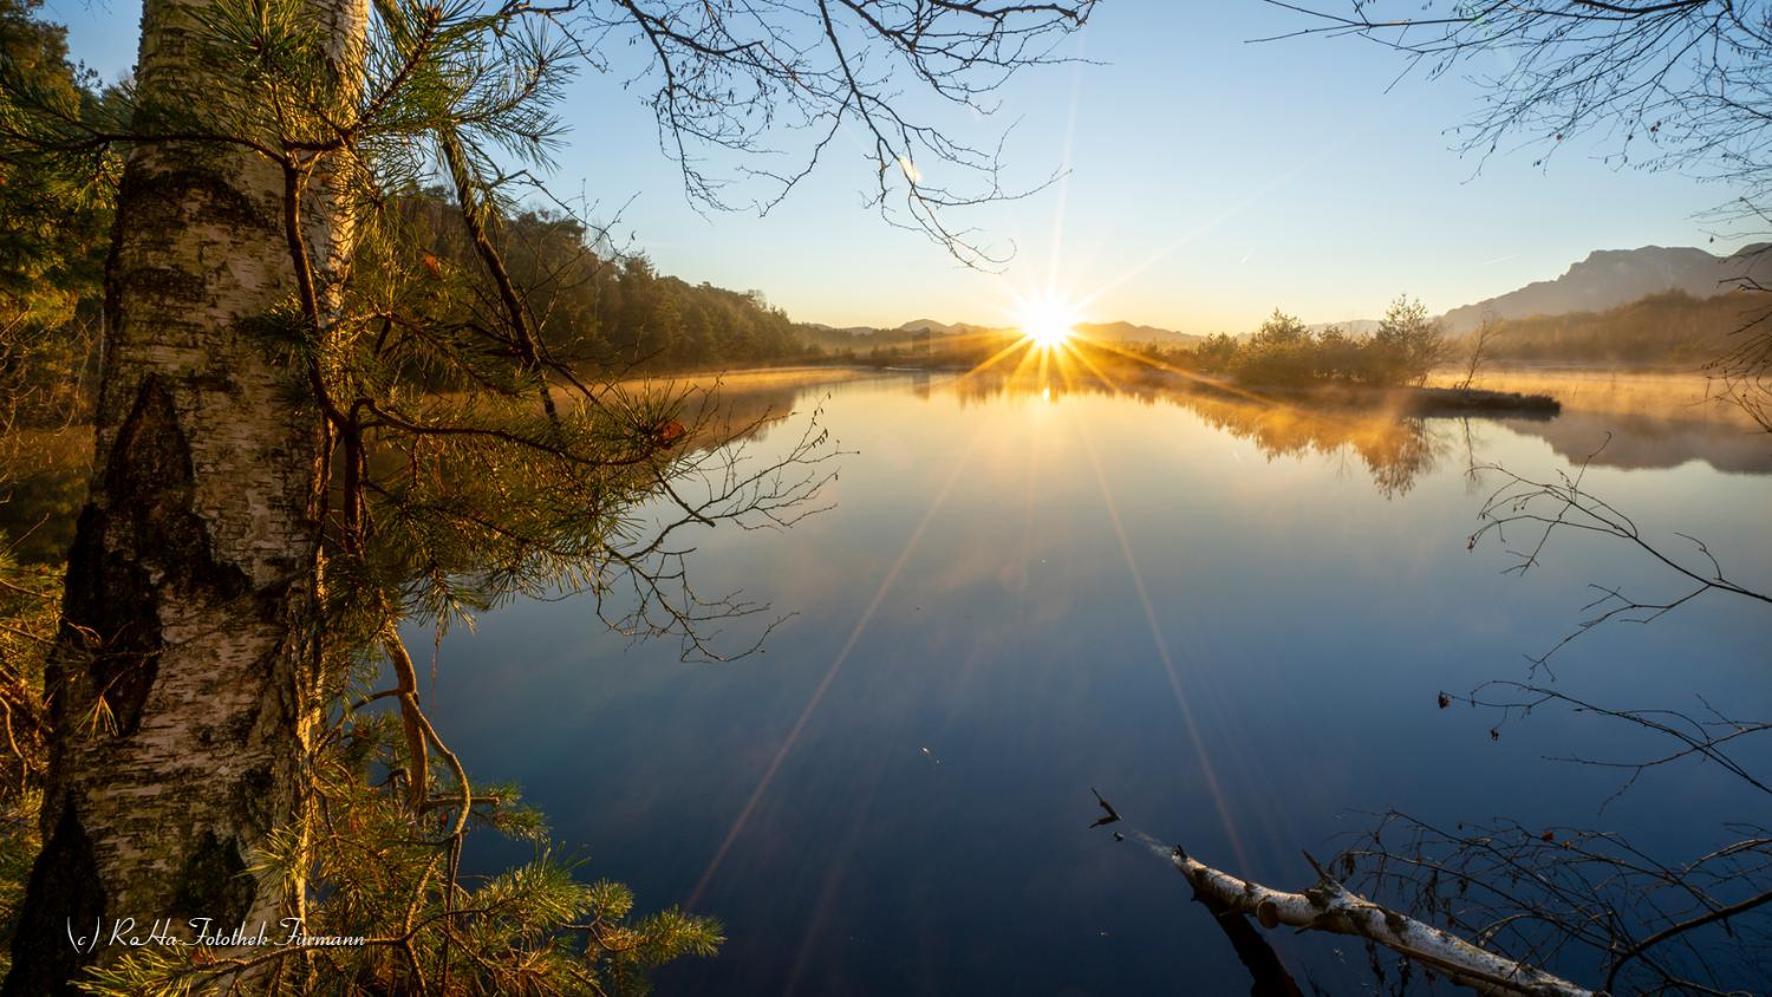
(1232, 620)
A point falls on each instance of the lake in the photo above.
(1233, 620)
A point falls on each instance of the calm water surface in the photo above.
(1233, 621)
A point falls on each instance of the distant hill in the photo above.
(1352, 326)
(1121, 332)
(821, 329)
(1126, 332)
(1609, 278)
(933, 327)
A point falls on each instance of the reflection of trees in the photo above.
(43, 472)
(1395, 449)
(462, 528)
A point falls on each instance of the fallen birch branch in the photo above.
(1329, 906)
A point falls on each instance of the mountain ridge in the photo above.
(1609, 278)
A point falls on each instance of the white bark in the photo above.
(1328, 906)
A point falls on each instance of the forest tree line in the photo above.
(598, 308)
(1669, 328)
(605, 310)
(602, 312)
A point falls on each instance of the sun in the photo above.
(1047, 320)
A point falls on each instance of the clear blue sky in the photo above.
(1210, 181)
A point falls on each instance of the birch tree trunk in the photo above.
(183, 687)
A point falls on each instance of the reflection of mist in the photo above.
(1655, 419)
(1395, 449)
(1647, 441)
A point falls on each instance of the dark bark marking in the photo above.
(64, 891)
(164, 282)
(176, 198)
(255, 791)
(215, 884)
(110, 623)
(145, 527)
(153, 206)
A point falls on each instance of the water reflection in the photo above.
(1657, 419)
(1028, 589)
(1394, 449)
(43, 471)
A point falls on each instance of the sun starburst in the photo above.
(1047, 320)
